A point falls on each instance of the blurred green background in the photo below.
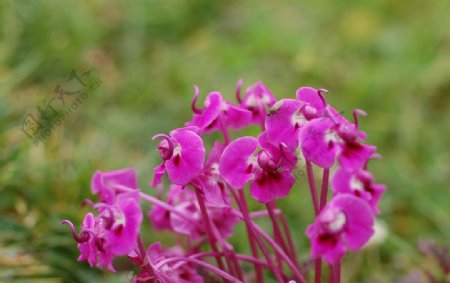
(391, 58)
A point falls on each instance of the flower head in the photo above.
(346, 223)
(218, 114)
(359, 183)
(267, 169)
(107, 185)
(112, 233)
(183, 155)
(257, 99)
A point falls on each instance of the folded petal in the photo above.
(236, 164)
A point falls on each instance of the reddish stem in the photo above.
(287, 232)
(214, 269)
(312, 186)
(242, 204)
(276, 230)
(211, 238)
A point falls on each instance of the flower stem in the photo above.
(211, 238)
(168, 207)
(242, 204)
(323, 202)
(289, 238)
(276, 231)
(336, 272)
(324, 189)
(280, 252)
(206, 265)
(312, 186)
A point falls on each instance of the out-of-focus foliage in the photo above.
(390, 58)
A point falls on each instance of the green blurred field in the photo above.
(391, 58)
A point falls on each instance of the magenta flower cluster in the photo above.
(205, 197)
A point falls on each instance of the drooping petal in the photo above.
(235, 117)
(121, 240)
(158, 173)
(346, 222)
(359, 220)
(188, 158)
(205, 120)
(214, 190)
(269, 186)
(354, 155)
(236, 164)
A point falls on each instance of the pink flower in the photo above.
(183, 155)
(218, 114)
(268, 169)
(314, 100)
(108, 184)
(284, 121)
(359, 183)
(210, 182)
(184, 201)
(257, 99)
(346, 223)
(318, 142)
(112, 233)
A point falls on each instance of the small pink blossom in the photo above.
(359, 183)
(346, 223)
(284, 121)
(107, 185)
(318, 142)
(218, 114)
(267, 169)
(112, 233)
(183, 155)
(257, 99)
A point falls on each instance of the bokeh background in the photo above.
(391, 58)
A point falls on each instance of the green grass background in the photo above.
(391, 58)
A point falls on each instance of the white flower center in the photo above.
(356, 184)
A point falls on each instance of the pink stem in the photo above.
(209, 233)
(335, 271)
(280, 252)
(224, 130)
(323, 202)
(214, 269)
(289, 238)
(242, 204)
(170, 208)
(276, 231)
(241, 257)
(324, 189)
(144, 258)
(264, 213)
(312, 186)
(228, 252)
